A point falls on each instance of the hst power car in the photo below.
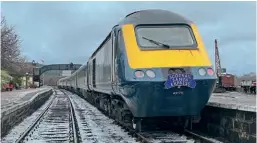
(152, 65)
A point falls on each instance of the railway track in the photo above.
(56, 123)
(169, 136)
(159, 136)
(95, 127)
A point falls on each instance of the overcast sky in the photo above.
(64, 32)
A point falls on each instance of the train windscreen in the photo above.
(159, 37)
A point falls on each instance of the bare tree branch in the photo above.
(11, 58)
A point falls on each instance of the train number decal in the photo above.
(180, 79)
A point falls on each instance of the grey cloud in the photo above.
(73, 30)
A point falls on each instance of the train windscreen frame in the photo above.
(151, 37)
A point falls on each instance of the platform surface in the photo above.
(11, 98)
(233, 100)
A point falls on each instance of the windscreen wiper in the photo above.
(156, 42)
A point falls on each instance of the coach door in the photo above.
(113, 57)
(94, 73)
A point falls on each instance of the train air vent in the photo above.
(176, 70)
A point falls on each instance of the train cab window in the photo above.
(172, 37)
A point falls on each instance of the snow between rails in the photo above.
(96, 127)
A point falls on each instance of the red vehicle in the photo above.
(228, 82)
(9, 87)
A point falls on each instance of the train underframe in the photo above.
(116, 108)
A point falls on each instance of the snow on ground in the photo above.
(93, 125)
(9, 99)
(160, 137)
(96, 127)
(55, 123)
(233, 100)
(15, 133)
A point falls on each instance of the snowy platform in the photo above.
(12, 98)
(233, 100)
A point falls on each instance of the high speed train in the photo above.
(152, 66)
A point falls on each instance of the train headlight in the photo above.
(139, 74)
(150, 73)
(202, 72)
(210, 71)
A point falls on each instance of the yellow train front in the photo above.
(162, 68)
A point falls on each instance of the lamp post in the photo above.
(27, 80)
(34, 66)
(71, 66)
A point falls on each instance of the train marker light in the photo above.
(210, 71)
(150, 73)
(202, 72)
(139, 74)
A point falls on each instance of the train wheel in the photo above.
(127, 118)
(186, 123)
(137, 125)
(109, 108)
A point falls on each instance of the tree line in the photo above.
(11, 58)
(12, 61)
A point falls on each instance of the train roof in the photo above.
(82, 67)
(154, 16)
(150, 16)
(74, 73)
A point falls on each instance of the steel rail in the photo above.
(76, 136)
(27, 131)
